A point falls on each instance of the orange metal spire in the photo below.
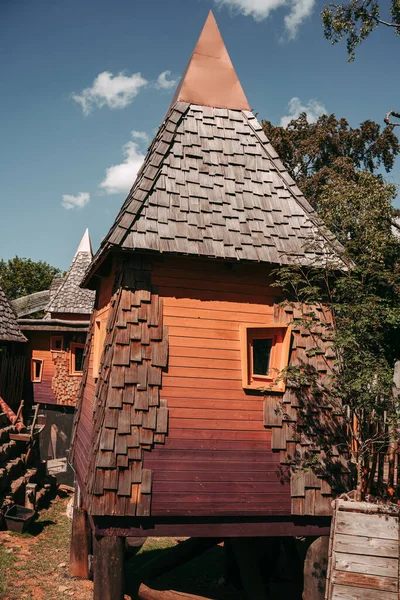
(209, 78)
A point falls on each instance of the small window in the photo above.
(77, 351)
(36, 370)
(56, 343)
(100, 328)
(264, 353)
(261, 359)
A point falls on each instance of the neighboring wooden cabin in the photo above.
(12, 355)
(173, 435)
(55, 352)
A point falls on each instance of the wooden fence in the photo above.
(363, 552)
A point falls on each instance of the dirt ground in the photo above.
(34, 565)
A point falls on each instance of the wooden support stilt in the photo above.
(108, 568)
(175, 556)
(80, 540)
(315, 568)
(249, 568)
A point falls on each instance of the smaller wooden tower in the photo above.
(55, 350)
(12, 354)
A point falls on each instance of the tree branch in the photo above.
(394, 114)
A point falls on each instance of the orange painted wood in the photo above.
(228, 434)
(215, 414)
(220, 404)
(217, 458)
(186, 352)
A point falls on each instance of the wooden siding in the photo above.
(40, 349)
(217, 458)
(57, 386)
(83, 434)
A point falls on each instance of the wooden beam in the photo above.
(146, 593)
(108, 568)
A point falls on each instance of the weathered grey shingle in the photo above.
(69, 297)
(9, 328)
(212, 185)
(66, 295)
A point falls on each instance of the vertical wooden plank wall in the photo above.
(217, 458)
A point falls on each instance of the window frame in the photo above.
(35, 379)
(280, 333)
(73, 347)
(53, 338)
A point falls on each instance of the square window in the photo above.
(36, 370)
(264, 353)
(77, 351)
(56, 343)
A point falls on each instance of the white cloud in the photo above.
(261, 9)
(114, 91)
(140, 135)
(163, 83)
(313, 108)
(120, 178)
(70, 202)
(301, 9)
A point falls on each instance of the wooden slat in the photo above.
(369, 546)
(372, 565)
(345, 592)
(382, 527)
(362, 580)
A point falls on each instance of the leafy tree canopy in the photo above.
(315, 152)
(336, 167)
(23, 276)
(355, 20)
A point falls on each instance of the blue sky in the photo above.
(54, 158)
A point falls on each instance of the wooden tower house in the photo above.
(179, 429)
(55, 350)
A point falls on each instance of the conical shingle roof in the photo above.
(9, 328)
(68, 296)
(211, 184)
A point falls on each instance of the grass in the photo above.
(7, 560)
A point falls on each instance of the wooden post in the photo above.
(30, 495)
(108, 568)
(80, 540)
(315, 569)
(249, 569)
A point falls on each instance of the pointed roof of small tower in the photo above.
(9, 328)
(210, 78)
(85, 244)
(212, 185)
(68, 296)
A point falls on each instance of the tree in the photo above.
(335, 166)
(355, 20)
(22, 276)
(315, 152)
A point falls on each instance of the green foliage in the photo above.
(22, 276)
(335, 167)
(315, 152)
(355, 20)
